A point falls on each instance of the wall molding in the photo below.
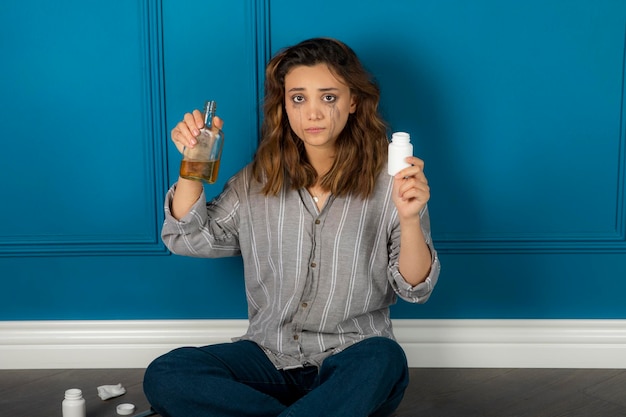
(606, 241)
(152, 93)
(263, 50)
(428, 343)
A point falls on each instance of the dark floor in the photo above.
(432, 393)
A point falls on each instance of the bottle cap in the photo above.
(73, 394)
(125, 409)
(209, 108)
(401, 137)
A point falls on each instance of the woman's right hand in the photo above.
(187, 130)
(184, 135)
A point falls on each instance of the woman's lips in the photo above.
(314, 130)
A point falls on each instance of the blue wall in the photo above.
(517, 108)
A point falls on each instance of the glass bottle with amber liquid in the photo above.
(202, 162)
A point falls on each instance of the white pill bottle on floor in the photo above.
(74, 403)
(399, 148)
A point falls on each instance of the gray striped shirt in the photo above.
(316, 282)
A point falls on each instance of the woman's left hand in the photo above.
(410, 189)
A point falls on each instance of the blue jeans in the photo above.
(238, 380)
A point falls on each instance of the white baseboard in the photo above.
(428, 343)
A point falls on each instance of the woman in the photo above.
(328, 239)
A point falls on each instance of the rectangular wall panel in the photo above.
(82, 108)
(88, 95)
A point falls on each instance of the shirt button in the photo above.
(304, 305)
(313, 264)
(317, 221)
(295, 337)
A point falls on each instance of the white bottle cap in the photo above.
(400, 137)
(125, 409)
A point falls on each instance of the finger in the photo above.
(415, 161)
(183, 136)
(416, 175)
(197, 120)
(412, 183)
(178, 139)
(217, 122)
(415, 195)
(411, 191)
(418, 181)
(416, 167)
(193, 123)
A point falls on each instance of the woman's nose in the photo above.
(315, 113)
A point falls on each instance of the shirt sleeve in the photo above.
(209, 230)
(422, 291)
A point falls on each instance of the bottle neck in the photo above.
(401, 138)
(209, 113)
(73, 394)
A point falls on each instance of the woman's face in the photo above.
(318, 105)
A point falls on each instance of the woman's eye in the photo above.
(329, 98)
(297, 99)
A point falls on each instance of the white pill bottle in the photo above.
(399, 148)
(74, 403)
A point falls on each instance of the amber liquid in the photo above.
(200, 171)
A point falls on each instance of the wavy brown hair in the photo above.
(361, 147)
